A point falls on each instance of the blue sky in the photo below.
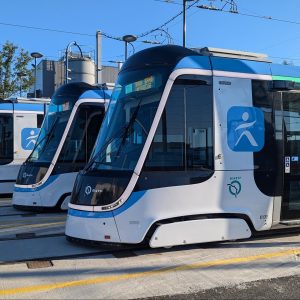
(280, 40)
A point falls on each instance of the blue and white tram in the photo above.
(197, 146)
(20, 122)
(67, 137)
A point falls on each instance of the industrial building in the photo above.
(50, 74)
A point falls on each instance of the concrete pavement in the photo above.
(36, 262)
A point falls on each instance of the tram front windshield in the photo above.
(38, 162)
(129, 119)
(77, 145)
(50, 135)
(123, 134)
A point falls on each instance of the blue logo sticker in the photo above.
(245, 129)
(234, 188)
(29, 137)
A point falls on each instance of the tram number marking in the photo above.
(223, 82)
(264, 218)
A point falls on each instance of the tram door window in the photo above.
(6, 139)
(277, 165)
(81, 138)
(268, 161)
(182, 148)
(291, 161)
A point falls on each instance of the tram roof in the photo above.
(72, 92)
(213, 59)
(23, 104)
(96, 94)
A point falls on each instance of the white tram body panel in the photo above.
(146, 208)
(26, 115)
(54, 188)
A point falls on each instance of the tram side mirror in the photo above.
(283, 85)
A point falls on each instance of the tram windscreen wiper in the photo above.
(128, 126)
(122, 133)
(93, 160)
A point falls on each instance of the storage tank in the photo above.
(82, 70)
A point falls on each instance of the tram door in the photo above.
(290, 117)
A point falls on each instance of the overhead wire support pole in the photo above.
(98, 57)
(184, 20)
(184, 24)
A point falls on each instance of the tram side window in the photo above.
(39, 118)
(6, 139)
(184, 137)
(199, 125)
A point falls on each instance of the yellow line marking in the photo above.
(31, 226)
(107, 279)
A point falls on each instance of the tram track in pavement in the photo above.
(63, 257)
(27, 213)
(124, 251)
(120, 251)
(20, 214)
(30, 235)
(30, 226)
(116, 252)
(24, 215)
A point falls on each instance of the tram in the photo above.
(198, 145)
(64, 145)
(20, 122)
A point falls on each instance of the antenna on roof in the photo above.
(210, 51)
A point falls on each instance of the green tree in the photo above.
(14, 71)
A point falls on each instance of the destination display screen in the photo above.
(143, 84)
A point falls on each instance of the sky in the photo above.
(116, 18)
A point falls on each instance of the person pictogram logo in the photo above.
(245, 129)
(29, 137)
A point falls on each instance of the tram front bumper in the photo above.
(91, 226)
(26, 199)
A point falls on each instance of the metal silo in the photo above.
(82, 69)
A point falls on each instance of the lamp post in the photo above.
(20, 75)
(35, 55)
(129, 38)
(184, 22)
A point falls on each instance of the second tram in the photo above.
(64, 145)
